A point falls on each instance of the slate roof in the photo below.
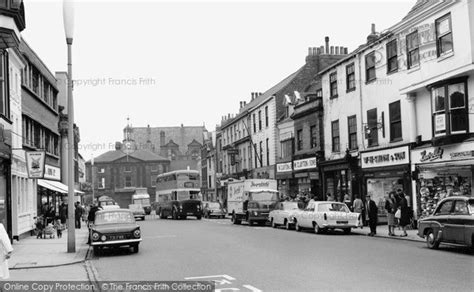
(114, 155)
(419, 6)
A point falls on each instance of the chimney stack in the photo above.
(228, 116)
(373, 35)
(326, 39)
(315, 52)
(310, 52)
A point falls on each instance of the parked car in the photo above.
(284, 213)
(137, 210)
(114, 228)
(451, 222)
(323, 215)
(213, 209)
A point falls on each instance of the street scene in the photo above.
(236, 145)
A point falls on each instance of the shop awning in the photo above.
(56, 186)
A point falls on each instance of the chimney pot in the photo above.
(373, 28)
(321, 50)
(346, 51)
(318, 51)
(310, 52)
(315, 52)
(337, 50)
(332, 50)
(326, 39)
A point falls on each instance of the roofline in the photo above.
(22, 39)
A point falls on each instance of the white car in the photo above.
(323, 215)
(283, 214)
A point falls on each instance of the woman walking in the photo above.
(391, 207)
(404, 215)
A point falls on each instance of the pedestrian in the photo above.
(39, 227)
(6, 250)
(59, 228)
(391, 207)
(329, 197)
(371, 215)
(358, 207)
(347, 200)
(78, 215)
(404, 215)
(63, 213)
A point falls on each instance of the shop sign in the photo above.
(386, 157)
(304, 163)
(284, 167)
(52, 172)
(440, 154)
(35, 163)
(440, 123)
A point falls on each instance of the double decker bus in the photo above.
(178, 195)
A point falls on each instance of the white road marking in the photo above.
(214, 276)
(252, 288)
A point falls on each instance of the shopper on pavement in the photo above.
(404, 215)
(371, 215)
(78, 215)
(6, 250)
(391, 207)
(358, 207)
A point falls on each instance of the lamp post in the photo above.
(68, 17)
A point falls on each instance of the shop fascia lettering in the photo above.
(459, 152)
(304, 163)
(388, 157)
(284, 167)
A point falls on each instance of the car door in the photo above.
(441, 216)
(308, 216)
(457, 221)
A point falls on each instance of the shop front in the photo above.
(5, 182)
(51, 193)
(339, 177)
(287, 185)
(384, 171)
(307, 176)
(442, 172)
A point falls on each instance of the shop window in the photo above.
(350, 77)
(352, 127)
(335, 136)
(395, 121)
(333, 85)
(372, 132)
(449, 109)
(444, 35)
(370, 67)
(392, 58)
(413, 53)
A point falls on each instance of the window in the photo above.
(259, 120)
(395, 121)
(128, 181)
(445, 208)
(254, 124)
(101, 170)
(299, 139)
(319, 93)
(335, 136)
(350, 77)
(35, 80)
(286, 148)
(210, 182)
(392, 58)
(154, 167)
(370, 67)
(153, 181)
(333, 84)
(449, 108)
(266, 116)
(372, 130)
(352, 129)
(312, 131)
(413, 54)
(128, 168)
(4, 95)
(249, 151)
(261, 153)
(268, 151)
(444, 35)
(46, 92)
(256, 154)
(460, 208)
(101, 183)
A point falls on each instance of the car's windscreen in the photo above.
(142, 201)
(214, 206)
(334, 207)
(114, 217)
(264, 196)
(290, 206)
(471, 206)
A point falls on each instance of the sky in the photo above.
(173, 63)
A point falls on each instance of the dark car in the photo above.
(115, 228)
(213, 209)
(451, 222)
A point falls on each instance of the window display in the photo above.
(434, 187)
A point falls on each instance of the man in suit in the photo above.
(371, 215)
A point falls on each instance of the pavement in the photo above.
(32, 252)
(382, 231)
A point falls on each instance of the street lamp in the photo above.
(68, 17)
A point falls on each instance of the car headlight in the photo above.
(95, 236)
(180, 207)
(103, 238)
(136, 233)
(255, 213)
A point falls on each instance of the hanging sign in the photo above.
(35, 163)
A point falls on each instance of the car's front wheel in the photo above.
(287, 225)
(274, 225)
(135, 248)
(431, 241)
(317, 229)
(297, 226)
(347, 231)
